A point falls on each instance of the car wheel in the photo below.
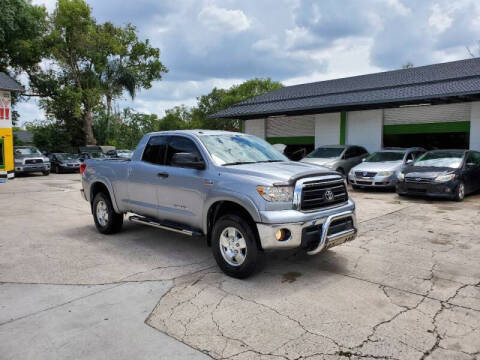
(234, 246)
(57, 169)
(106, 219)
(460, 192)
(46, 173)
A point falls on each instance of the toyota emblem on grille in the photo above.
(418, 179)
(329, 195)
(365, 173)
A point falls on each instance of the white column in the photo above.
(327, 129)
(365, 128)
(475, 126)
(255, 127)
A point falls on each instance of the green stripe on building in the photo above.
(427, 128)
(343, 127)
(297, 140)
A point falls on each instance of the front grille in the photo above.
(360, 182)
(319, 194)
(33, 161)
(365, 173)
(418, 180)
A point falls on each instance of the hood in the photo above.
(278, 172)
(379, 166)
(319, 161)
(428, 172)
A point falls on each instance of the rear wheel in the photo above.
(234, 246)
(460, 192)
(106, 219)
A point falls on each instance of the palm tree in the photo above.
(116, 79)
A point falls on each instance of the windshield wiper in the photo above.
(239, 163)
(269, 161)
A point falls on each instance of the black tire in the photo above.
(57, 169)
(113, 221)
(459, 192)
(46, 173)
(253, 256)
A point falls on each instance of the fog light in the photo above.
(282, 234)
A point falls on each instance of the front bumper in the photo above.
(440, 190)
(22, 169)
(374, 182)
(313, 231)
(69, 168)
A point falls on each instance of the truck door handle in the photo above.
(162, 174)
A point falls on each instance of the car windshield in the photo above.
(450, 159)
(27, 151)
(233, 149)
(326, 152)
(382, 156)
(66, 156)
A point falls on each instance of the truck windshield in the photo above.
(326, 152)
(233, 149)
(450, 159)
(27, 151)
(381, 156)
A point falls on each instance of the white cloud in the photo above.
(220, 19)
(440, 19)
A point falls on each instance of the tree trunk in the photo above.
(109, 112)
(88, 127)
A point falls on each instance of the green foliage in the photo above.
(219, 99)
(51, 136)
(22, 26)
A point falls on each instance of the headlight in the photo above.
(385, 173)
(351, 173)
(276, 193)
(444, 178)
(401, 176)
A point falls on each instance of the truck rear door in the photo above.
(146, 176)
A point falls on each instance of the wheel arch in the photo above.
(100, 186)
(223, 207)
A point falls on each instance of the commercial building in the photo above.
(434, 106)
(7, 86)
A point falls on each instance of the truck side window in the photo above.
(155, 150)
(180, 144)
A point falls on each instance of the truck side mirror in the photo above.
(188, 160)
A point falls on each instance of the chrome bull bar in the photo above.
(337, 238)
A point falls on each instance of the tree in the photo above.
(219, 99)
(22, 27)
(407, 65)
(83, 54)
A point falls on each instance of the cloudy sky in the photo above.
(207, 43)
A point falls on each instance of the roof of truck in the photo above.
(197, 132)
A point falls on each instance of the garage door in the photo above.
(436, 126)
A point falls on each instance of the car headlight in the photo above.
(385, 173)
(400, 176)
(444, 178)
(276, 193)
(351, 173)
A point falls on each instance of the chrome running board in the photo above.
(150, 222)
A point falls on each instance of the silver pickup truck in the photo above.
(234, 189)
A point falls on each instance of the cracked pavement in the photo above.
(407, 288)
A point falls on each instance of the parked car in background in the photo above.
(235, 189)
(337, 157)
(91, 155)
(29, 159)
(125, 154)
(441, 173)
(64, 162)
(380, 169)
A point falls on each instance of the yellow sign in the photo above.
(6, 136)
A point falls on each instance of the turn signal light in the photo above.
(83, 166)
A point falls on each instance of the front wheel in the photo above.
(46, 173)
(234, 246)
(460, 192)
(106, 219)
